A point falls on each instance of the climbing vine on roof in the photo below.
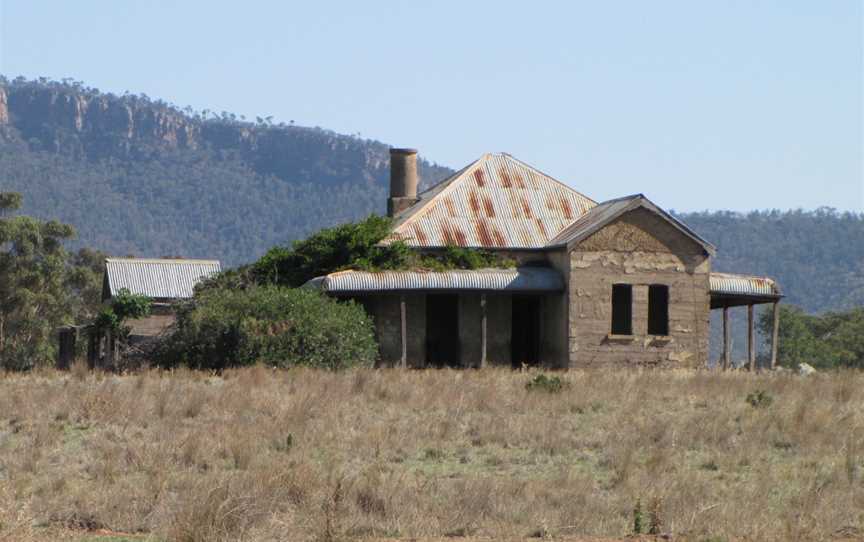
(355, 246)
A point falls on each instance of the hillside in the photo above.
(139, 176)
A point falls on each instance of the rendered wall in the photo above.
(640, 248)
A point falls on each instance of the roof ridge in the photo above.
(159, 260)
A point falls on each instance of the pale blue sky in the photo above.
(700, 105)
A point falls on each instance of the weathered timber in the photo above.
(775, 334)
(727, 332)
(751, 343)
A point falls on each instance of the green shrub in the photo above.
(550, 384)
(278, 326)
(124, 306)
(759, 399)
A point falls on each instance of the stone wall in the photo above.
(640, 249)
(386, 314)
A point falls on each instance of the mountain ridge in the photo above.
(138, 176)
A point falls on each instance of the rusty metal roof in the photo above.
(523, 279)
(606, 212)
(745, 285)
(156, 278)
(495, 202)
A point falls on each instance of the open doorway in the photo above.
(442, 330)
(525, 334)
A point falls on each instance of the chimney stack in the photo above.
(403, 180)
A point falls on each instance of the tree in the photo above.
(834, 339)
(34, 297)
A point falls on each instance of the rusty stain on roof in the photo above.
(497, 201)
(421, 236)
(479, 178)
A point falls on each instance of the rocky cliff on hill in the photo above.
(194, 183)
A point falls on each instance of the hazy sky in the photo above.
(697, 104)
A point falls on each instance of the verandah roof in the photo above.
(522, 279)
(730, 290)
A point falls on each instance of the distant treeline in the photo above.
(137, 176)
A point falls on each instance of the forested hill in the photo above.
(139, 176)
(818, 256)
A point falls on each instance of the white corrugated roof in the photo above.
(522, 279)
(157, 278)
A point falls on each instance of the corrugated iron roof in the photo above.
(157, 278)
(729, 284)
(523, 279)
(604, 213)
(495, 202)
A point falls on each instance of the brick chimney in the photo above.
(403, 180)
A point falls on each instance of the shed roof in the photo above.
(156, 278)
(522, 279)
(606, 212)
(495, 202)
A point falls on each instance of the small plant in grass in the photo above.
(655, 518)
(760, 399)
(550, 384)
(710, 465)
(433, 454)
(284, 444)
(638, 518)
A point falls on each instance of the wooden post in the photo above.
(775, 334)
(404, 324)
(68, 337)
(727, 354)
(483, 330)
(751, 346)
(109, 349)
(93, 338)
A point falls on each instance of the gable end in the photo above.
(640, 230)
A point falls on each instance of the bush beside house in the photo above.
(281, 327)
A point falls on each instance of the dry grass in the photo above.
(307, 455)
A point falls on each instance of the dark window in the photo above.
(658, 309)
(622, 309)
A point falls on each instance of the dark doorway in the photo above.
(442, 331)
(525, 335)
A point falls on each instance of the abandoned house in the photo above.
(164, 281)
(617, 283)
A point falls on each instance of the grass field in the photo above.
(258, 454)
